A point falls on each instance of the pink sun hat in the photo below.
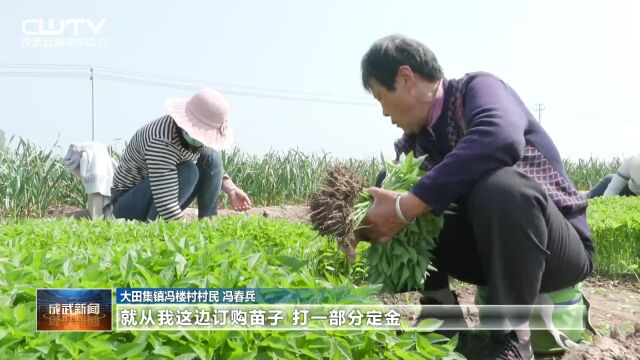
(205, 117)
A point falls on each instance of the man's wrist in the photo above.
(412, 207)
(399, 212)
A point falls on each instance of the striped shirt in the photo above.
(154, 151)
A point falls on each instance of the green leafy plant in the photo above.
(402, 263)
(33, 179)
(227, 253)
(586, 173)
(615, 226)
(632, 268)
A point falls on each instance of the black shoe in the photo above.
(514, 345)
(451, 315)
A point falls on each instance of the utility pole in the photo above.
(540, 108)
(93, 112)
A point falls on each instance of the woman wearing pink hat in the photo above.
(174, 159)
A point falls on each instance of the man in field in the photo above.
(520, 226)
(174, 159)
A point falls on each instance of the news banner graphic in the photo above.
(246, 309)
(303, 309)
(74, 309)
(157, 309)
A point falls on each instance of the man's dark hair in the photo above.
(386, 55)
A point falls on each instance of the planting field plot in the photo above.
(270, 247)
(229, 252)
(33, 179)
(258, 250)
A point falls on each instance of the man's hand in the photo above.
(382, 220)
(239, 200)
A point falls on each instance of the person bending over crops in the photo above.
(174, 159)
(625, 182)
(520, 224)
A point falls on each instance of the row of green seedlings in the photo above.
(33, 180)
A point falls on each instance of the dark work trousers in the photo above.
(601, 187)
(508, 235)
(202, 180)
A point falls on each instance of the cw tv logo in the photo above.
(61, 27)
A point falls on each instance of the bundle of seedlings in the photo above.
(341, 206)
(332, 206)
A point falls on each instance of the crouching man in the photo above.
(520, 227)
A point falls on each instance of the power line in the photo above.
(153, 76)
(156, 80)
(43, 66)
(262, 95)
(41, 74)
(149, 79)
(155, 83)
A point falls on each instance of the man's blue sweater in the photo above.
(484, 126)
